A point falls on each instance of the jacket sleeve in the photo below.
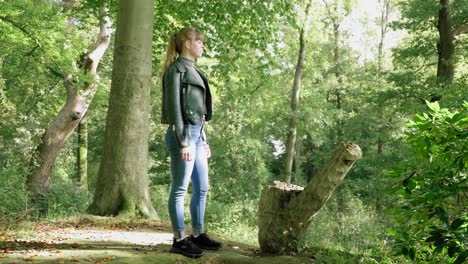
(173, 90)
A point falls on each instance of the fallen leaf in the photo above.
(4, 255)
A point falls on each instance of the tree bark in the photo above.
(445, 46)
(286, 211)
(58, 131)
(291, 141)
(384, 13)
(122, 183)
(82, 154)
(297, 161)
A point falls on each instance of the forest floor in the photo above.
(107, 240)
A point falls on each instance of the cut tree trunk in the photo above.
(59, 130)
(286, 211)
(122, 182)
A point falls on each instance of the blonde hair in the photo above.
(176, 43)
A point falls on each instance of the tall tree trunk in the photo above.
(122, 183)
(286, 211)
(337, 11)
(338, 91)
(445, 46)
(297, 161)
(384, 12)
(291, 141)
(332, 8)
(82, 153)
(58, 131)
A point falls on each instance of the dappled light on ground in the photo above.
(106, 240)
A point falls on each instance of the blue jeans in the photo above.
(182, 171)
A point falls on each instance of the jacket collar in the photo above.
(186, 66)
(183, 64)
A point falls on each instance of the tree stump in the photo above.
(286, 211)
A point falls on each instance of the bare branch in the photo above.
(102, 42)
(463, 29)
(91, 61)
(55, 72)
(68, 82)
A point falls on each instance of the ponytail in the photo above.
(171, 53)
(176, 44)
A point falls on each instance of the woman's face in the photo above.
(194, 48)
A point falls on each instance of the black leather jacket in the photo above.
(186, 99)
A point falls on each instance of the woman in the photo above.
(186, 106)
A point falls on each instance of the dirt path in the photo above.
(106, 240)
(112, 236)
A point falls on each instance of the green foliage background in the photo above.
(251, 52)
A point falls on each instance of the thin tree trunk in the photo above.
(58, 131)
(82, 153)
(338, 92)
(384, 12)
(122, 183)
(445, 46)
(333, 8)
(380, 145)
(286, 211)
(291, 141)
(297, 161)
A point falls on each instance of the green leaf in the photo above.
(452, 250)
(412, 253)
(442, 214)
(456, 223)
(433, 106)
(461, 258)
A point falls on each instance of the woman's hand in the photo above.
(208, 150)
(187, 153)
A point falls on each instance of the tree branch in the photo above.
(462, 29)
(102, 43)
(69, 83)
(56, 73)
(22, 29)
(27, 33)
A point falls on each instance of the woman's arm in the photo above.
(172, 87)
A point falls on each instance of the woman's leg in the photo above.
(181, 171)
(200, 187)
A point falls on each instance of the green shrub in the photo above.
(235, 221)
(430, 219)
(346, 224)
(66, 199)
(159, 197)
(13, 195)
